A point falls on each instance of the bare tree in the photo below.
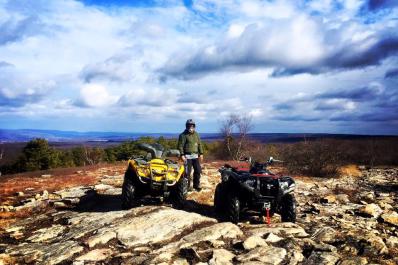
(87, 156)
(226, 130)
(244, 125)
(93, 156)
(234, 131)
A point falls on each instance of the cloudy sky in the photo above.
(146, 66)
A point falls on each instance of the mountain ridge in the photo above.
(24, 135)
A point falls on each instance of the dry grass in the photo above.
(66, 171)
(8, 218)
(204, 198)
(350, 192)
(305, 179)
(59, 179)
(9, 187)
(350, 170)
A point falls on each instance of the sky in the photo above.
(299, 66)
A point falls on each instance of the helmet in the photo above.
(190, 122)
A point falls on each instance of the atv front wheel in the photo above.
(233, 208)
(179, 194)
(288, 208)
(129, 190)
(219, 199)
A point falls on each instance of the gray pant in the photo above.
(197, 170)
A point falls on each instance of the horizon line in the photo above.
(203, 132)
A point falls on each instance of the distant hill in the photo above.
(24, 135)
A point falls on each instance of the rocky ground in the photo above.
(350, 220)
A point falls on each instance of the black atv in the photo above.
(254, 188)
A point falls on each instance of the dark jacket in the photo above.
(190, 143)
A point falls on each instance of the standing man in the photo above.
(191, 150)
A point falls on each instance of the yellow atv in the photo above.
(155, 175)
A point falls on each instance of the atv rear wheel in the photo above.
(233, 208)
(288, 208)
(180, 191)
(129, 190)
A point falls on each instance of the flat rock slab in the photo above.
(323, 258)
(280, 229)
(158, 226)
(96, 255)
(266, 255)
(85, 223)
(46, 254)
(76, 192)
(46, 234)
(209, 233)
(58, 243)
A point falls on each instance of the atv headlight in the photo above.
(250, 182)
(287, 186)
(157, 171)
(173, 174)
(284, 185)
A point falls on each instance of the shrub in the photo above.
(38, 155)
(320, 158)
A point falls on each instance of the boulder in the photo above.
(295, 257)
(179, 261)
(265, 255)
(280, 229)
(208, 233)
(60, 205)
(326, 235)
(221, 257)
(44, 195)
(370, 210)
(343, 198)
(368, 196)
(392, 242)
(386, 206)
(322, 258)
(253, 242)
(328, 199)
(96, 255)
(272, 238)
(390, 218)
(103, 187)
(6, 259)
(370, 244)
(354, 261)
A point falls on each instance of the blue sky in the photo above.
(295, 66)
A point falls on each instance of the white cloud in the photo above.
(64, 55)
(154, 97)
(95, 95)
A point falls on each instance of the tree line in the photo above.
(38, 154)
(321, 157)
